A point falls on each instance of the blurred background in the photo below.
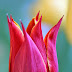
(52, 11)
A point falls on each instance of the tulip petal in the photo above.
(50, 42)
(37, 37)
(16, 39)
(32, 23)
(37, 16)
(28, 59)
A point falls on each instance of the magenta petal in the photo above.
(50, 42)
(29, 59)
(32, 23)
(16, 39)
(37, 37)
(37, 16)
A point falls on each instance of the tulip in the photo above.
(28, 51)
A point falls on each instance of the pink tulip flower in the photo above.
(28, 51)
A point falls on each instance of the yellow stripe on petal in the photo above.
(16, 23)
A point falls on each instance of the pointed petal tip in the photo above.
(6, 14)
(62, 17)
(39, 11)
(37, 16)
(8, 18)
(23, 28)
(41, 17)
(39, 22)
(11, 17)
(59, 22)
(20, 20)
(22, 24)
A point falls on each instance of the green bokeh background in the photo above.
(20, 10)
